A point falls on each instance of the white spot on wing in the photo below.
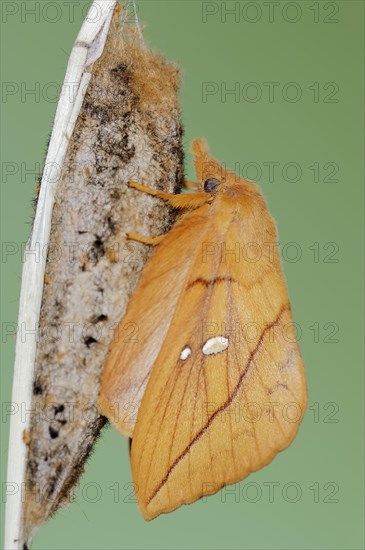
(215, 345)
(185, 353)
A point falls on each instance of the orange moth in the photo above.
(204, 372)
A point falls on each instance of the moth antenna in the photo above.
(200, 147)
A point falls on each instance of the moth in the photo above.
(204, 372)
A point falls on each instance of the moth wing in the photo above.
(140, 334)
(209, 419)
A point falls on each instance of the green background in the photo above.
(325, 463)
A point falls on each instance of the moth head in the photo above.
(213, 176)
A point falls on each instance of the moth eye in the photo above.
(211, 185)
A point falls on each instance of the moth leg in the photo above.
(149, 190)
(183, 201)
(191, 185)
(152, 241)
